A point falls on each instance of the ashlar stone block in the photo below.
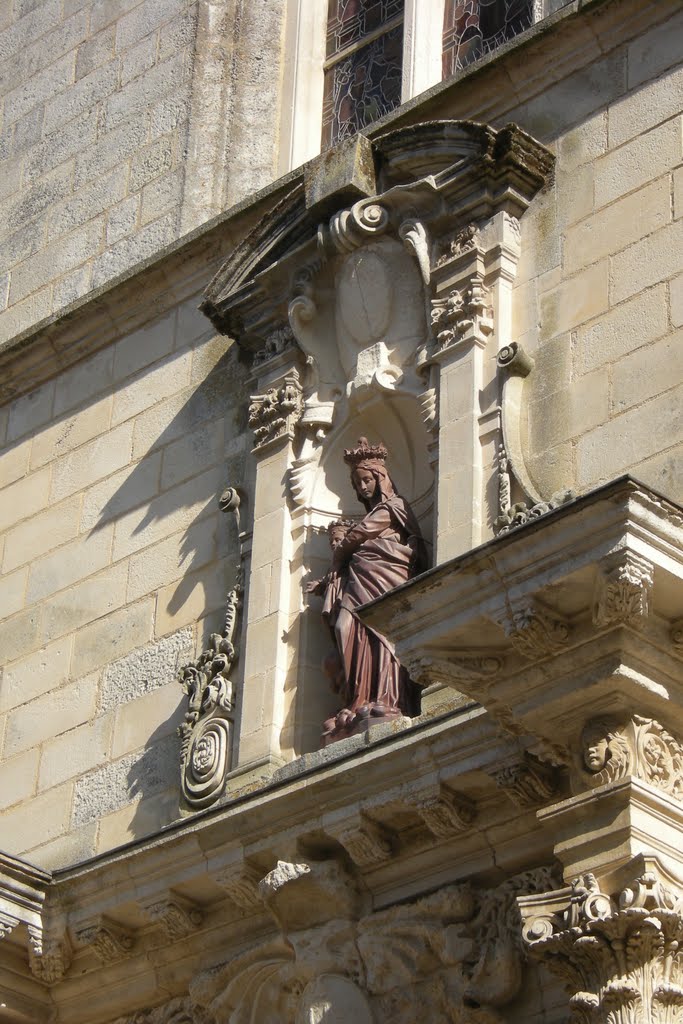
(53, 713)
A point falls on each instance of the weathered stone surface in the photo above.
(145, 669)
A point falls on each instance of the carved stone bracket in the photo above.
(241, 885)
(534, 632)
(612, 749)
(49, 959)
(445, 813)
(366, 842)
(622, 591)
(619, 954)
(527, 781)
(109, 941)
(177, 916)
(275, 414)
(455, 668)
(7, 924)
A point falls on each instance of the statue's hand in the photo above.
(311, 586)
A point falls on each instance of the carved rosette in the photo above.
(613, 749)
(622, 592)
(620, 956)
(275, 414)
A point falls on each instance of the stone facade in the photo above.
(166, 475)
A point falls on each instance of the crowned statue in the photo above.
(369, 557)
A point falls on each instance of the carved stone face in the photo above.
(365, 485)
(595, 752)
(337, 535)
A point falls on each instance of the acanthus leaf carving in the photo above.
(619, 955)
(276, 342)
(465, 239)
(612, 749)
(623, 587)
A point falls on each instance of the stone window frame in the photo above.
(303, 79)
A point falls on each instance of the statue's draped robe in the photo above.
(382, 551)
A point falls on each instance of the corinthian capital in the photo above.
(619, 953)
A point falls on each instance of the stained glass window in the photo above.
(474, 27)
(363, 65)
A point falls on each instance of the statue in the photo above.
(369, 558)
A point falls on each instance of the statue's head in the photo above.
(337, 530)
(369, 475)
